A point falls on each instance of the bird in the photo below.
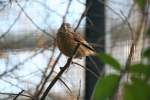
(67, 40)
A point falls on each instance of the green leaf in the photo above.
(108, 59)
(141, 3)
(138, 90)
(140, 68)
(104, 87)
(147, 53)
(148, 32)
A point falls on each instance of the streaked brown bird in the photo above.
(67, 40)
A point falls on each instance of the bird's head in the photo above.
(65, 27)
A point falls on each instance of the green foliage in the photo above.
(148, 32)
(103, 89)
(141, 3)
(138, 86)
(140, 69)
(137, 90)
(147, 53)
(107, 59)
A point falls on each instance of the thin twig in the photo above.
(20, 63)
(14, 22)
(38, 87)
(17, 86)
(67, 10)
(65, 85)
(94, 63)
(47, 7)
(86, 69)
(33, 21)
(48, 76)
(139, 31)
(60, 73)
(129, 25)
(83, 15)
(15, 98)
(106, 5)
(17, 94)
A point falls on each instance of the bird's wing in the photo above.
(77, 37)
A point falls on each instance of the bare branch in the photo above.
(140, 30)
(43, 82)
(11, 26)
(67, 10)
(86, 69)
(65, 85)
(21, 63)
(60, 73)
(17, 94)
(83, 15)
(15, 98)
(33, 21)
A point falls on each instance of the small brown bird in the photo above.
(67, 41)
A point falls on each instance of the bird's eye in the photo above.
(65, 27)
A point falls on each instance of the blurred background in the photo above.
(30, 59)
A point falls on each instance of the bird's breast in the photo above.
(66, 44)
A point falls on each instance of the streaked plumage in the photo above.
(67, 40)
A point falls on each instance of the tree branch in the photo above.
(60, 73)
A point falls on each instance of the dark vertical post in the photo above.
(94, 32)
